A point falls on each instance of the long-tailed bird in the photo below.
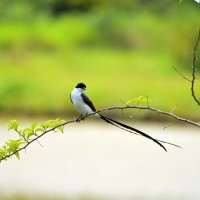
(85, 106)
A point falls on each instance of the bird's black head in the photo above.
(81, 85)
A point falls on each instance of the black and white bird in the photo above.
(85, 106)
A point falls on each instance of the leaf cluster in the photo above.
(138, 100)
(27, 136)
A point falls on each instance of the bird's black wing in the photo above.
(88, 101)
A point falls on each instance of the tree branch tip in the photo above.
(124, 103)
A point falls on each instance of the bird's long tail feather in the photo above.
(135, 131)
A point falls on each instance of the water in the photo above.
(100, 160)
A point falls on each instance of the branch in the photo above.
(82, 118)
(35, 139)
(152, 109)
(193, 70)
(182, 75)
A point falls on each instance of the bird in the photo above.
(85, 106)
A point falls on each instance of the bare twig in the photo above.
(135, 113)
(173, 109)
(194, 69)
(123, 113)
(107, 109)
(124, 103)
(151, 109)
(39, 143)
(147, 101)
(170, 125)
(182, 75)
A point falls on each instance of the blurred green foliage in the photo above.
(120, 49)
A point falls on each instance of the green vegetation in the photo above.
(27, 136)
(119, 50)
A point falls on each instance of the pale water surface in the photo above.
(100, 160)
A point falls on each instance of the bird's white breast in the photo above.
(79, 103)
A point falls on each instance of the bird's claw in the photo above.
(80, 118)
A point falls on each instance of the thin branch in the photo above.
(124, 103)
(182, 75)
(105, 109)
(173, 109)
(39, 143)
(122, 112)
(170, 125)
(152, 109)
(194, 69)
(147, 101)
(135, 113)
(36, 139)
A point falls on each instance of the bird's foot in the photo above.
(79, 119)
(82, 117)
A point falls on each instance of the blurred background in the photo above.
(120, 49)
(123, 48)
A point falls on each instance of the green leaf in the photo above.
(33, 126)
(29, 135)
(13, 145)
(26, 131)
(138, 100)
(19, 142)
(60, 128)
(39, 129)
(17, 155)
(13, 125)
(47, 124)
(128, 102)
(52, 123)
(2, 153)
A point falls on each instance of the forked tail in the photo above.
(135, 131)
